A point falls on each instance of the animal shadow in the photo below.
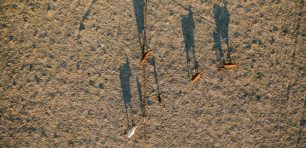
(139, 6)
(220, 34)
(141, 100)
(125, 74)
(156, 79)
(188, 27)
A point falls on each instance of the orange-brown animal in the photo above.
(146, 56)
(195, 77)
(230, 65)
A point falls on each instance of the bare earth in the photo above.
(71, 69)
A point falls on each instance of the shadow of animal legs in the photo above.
(139, 15)
(218, 48)
(140, 98)
(125, 74)
(222, 19)
(188, 27)
(156, 80)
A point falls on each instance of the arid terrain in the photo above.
(70, 73)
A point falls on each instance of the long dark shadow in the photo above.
(125, 74)
(139, 6)
(156, 80)
(188, 27)
(140, 98)
(222, 19)
(218, 48)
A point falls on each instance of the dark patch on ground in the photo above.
(139, 6)
(222, 19)
(140, 97)
(188, 27)
(156, 80)
(125, 74)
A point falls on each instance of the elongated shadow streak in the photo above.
(188, 28)
(301, 133)
(139, 15)
(222, 19)
(140, 97)
(217, 47)
(85, 17)
(125, 74)
(156, 80)
(302, 124)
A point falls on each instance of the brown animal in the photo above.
(195, 77)
(145, 56)
(230, 65)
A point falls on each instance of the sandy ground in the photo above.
(71, 74)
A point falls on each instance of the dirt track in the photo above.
(71, 69)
